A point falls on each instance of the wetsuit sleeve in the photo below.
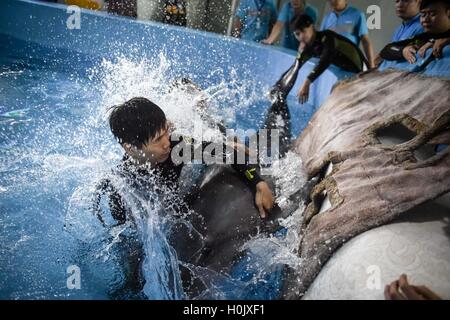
(249, 174)
(394, 51)
(325, 58)
(247, 171)
(287, 80)
(117, 206)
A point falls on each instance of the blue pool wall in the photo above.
(103, 36)
(195, 53)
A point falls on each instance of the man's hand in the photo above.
(378, 60)
(409, 53)
(423, 49)
(439, 45)
(303, 93)
(402, 290)
(266, 41)
(264, 198)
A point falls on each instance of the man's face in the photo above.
(407, 9)
(156, 150)
(338, 4)
(305, 36)
(435, 18)
(297, 4)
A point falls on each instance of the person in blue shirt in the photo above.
(289, 12)
(254, 19)
(351, 23)
(409, 12)
(435, 20)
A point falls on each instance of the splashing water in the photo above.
(55, 146)
(277, 250)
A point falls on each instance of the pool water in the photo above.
(55, 145)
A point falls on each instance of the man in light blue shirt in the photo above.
(351, 23)
(254, 19)
(409, 12)
(288, 13)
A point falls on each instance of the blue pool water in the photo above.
(56, 86)
(43, 112)
(55, 145)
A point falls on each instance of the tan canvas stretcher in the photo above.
(371, 183)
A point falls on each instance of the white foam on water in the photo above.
(68, 155)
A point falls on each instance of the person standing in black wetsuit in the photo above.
(142, 129)
(329, 46)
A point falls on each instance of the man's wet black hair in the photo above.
(302, 22)
(426, 3)
(136, 121)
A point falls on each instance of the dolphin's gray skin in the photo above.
(278, 116)
(229, 219)
(225, 203)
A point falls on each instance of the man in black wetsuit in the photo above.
(141, 128)
(435, 20)
(330, 47)
(151, 165)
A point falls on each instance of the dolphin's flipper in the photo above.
(283, 86)
(278, 116)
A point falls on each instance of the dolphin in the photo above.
(225, 203)
(225, 214)
(228, 220)
(278, 116)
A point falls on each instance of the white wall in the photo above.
(149, 10)
(212, 15)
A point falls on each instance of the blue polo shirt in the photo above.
(350, 23)
(256, 17)
(286, 15)
(408, 29)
